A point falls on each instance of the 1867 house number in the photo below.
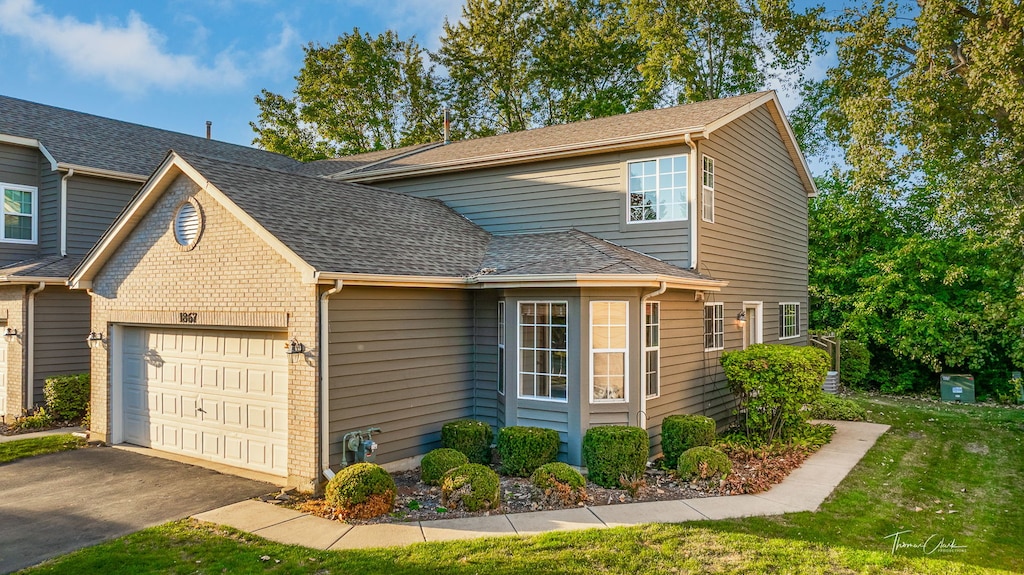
(188, 317)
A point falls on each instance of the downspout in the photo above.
(325, 381)
(30, 336)
(64, 212)
(694, 182)
(643, 353)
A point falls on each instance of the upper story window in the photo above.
(543, 350)
(20, 206)
(789, 320)
(708, 189)
(657, 190)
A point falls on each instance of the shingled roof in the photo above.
(84, 140)
(48, 268)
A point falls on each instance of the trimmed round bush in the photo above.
(703, 463)
(471, 437)
(614, 451)
(828, 406)
(67, 396)
(681, 432)
(524, 449)
(436, 463)
(559, 483)
(361, 491)
(472, 487)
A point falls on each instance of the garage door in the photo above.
(215, 395)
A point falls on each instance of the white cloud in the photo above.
(130, 57)
(408, 17)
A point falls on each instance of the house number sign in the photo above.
(188, 317)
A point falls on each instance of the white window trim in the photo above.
(34, 215)
(647, 348)
(705, 189)
(721, 308)
(624, 351)
(629, 220)
(519, 354)
(502, 353)
(759, 306)
(782, 314)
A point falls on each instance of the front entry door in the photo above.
(752, 330)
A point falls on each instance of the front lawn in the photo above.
(965, 461)
(11, 450)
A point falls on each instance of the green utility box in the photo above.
(957, 387)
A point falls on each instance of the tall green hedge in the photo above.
(473, 438)
(67, 396)
(614, 451)
(523, 449)
(681, 432)
(772, 384)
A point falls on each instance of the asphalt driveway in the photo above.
(53, 504)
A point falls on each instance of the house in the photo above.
(65, 176)
(564, 277)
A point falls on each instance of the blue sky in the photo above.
(174, 64)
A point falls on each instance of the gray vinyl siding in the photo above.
(758, 242)
(586, 193)
(19, 165)
(61, 323)
(691, 378)
(485, 353)
(92, 205)
(49, 208)
(400, 360)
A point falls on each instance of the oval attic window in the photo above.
(186, 224)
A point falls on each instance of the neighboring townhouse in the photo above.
(563, 277)
(65, 176)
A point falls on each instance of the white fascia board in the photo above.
(102, 173)
(30, 143)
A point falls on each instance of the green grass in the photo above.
(20, 448)
(934, 452)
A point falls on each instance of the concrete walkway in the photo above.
(803, 490)
(58, 431)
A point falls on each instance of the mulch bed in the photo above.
(751, 473)
(7, 429)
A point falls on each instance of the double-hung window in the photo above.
(714, 326)
(609, 349)
(543, 350)
(657, 190)
(20, 206)
(789, 320)
(652, 348)
(708, 190)
(501, 347)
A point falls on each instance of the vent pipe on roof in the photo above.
(447, 126)
(209, 129)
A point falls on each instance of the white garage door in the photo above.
(215, 395)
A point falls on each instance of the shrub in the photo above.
(67, 396)
(681, 432)
(772, 383)
(361, 491)
(831, 407)
(703, 463)
(472, 487)
(614, 451)
(854, 363)
(436, 463)
(38, 419)
(559, 483)
(473, 438)
(524, 449)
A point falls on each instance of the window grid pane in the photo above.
(789, 324)
(501, 347)
(18, 217)
(657, 190)
(608, 345)
(652, 351)
(714, 326)
(543, 350)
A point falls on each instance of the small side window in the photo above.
(708, 191)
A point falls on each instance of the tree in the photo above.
(706, 49)
(359, 94)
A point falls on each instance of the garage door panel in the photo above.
(219, 395)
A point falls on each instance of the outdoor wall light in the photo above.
(294, 349)
(95, 339)
(10, 334)
(741, 317)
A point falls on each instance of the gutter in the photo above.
(325, 381)
(64, 212)
(525, 280)
(694, 182)
(643, 353)
(30, 337)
